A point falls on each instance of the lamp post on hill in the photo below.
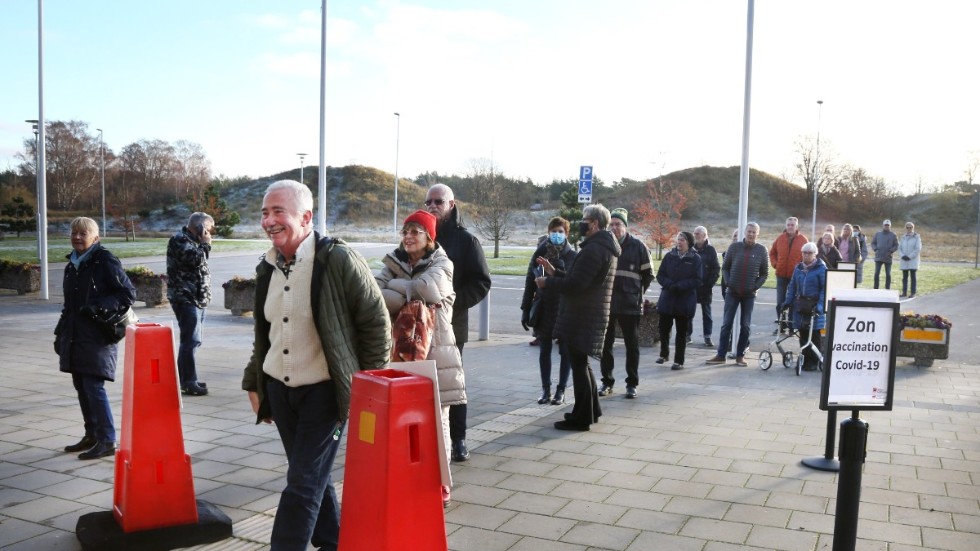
(816, 173)
(398, 131)
(301, 157)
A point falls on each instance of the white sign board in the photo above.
(859, 367)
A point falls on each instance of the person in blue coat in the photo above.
(94, 285)
(680, 275)
(809, 280)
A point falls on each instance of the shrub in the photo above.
(239, 283)
(923, 321)
(11, 266)
(137, 273)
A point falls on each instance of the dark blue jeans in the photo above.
(707, 322)
(544, 362)
(888, 274)
(190, 319)
(732, 303)
(310, 429)
(95, 407)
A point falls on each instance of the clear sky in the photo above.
(633, 87)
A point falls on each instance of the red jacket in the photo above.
(783, 259)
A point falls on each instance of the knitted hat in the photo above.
(424, 219)
(621, 214)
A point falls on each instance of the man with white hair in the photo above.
(471, 283)
(712, 269)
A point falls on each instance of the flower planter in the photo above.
(23, 281)
(240, 300)
(151, 290)
(923, 344)
(648, 331)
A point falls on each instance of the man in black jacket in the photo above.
(471, 282)
(712, 269)
(633, 276)
(583, 310)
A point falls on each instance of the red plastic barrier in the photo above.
(392, 499)
(154, 487)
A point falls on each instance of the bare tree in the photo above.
(495, 217)
(71, 161)
(816, 167)
(192, 169)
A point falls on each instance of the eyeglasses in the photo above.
(414, 232)
(428, 202)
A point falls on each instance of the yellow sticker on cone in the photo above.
(368, 422)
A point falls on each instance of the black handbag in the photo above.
(113, 324)
(805, 305)
(534, 315)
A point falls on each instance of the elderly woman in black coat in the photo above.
(680, 274)
(95, 286)
(556, 250)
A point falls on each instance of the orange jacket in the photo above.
(783, 259)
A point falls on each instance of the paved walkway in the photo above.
(707, 458)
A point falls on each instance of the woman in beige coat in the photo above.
(420, 268)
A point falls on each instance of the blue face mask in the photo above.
(557, 238)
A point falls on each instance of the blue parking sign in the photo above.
(585, 173)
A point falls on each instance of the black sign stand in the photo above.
(827, 462)
(853, 450)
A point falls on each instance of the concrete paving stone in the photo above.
(918, 486)
(963, 490)
(723, 478)
(479, 516)
(682, 488)
(966, 523)
(521, 452)
(27, 455)
(944, 475)
(919, 517)
(942, 453)
(231, 495)
(755, 468)
(268, 461)
(208, 434)
(819, 488)
(916, 461)
(716, 530)
(618, 465)
(782, 539)
(534, 503)
(796, 502)
(536, 544)
(775, 484)
(722, 546)
(480, 495)
(601, 537)
(526, 483)
(889, 532)
(970, 466)
(669, 471)
(246, 476)
(467, 538)
(677, 436)
(645, 519)
(34, 479)
(480, 477)
(949, 504)
(695, 507)
(526, 467)
(706, 462)
(755, 514)
(658, 456)
(621, 451)
(732, 494)
(16, 530)
(54, 540)
(204, 468)
(811, 522)
(625, 480)
(573, 490)
(590, 511)
(650, 540)
(899, 498)
(577, 474)
(737, 451)
(538, 526)
(69, 521)
(42, 508)
(73, 488)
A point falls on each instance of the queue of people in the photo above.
(574, 297)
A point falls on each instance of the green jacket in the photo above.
(350, 316)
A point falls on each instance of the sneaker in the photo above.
(194, 389)
(631, 392)
(677, 367)
(740, 361)
(605, 390)
(446, 499)
(661, 360)
(708, 343)
(716, 360)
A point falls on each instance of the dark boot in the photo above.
(545, 395)
(559, 398)
(103, 448)
(85, 443)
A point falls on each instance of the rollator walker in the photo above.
(790, 359)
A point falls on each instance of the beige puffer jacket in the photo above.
(431, 280)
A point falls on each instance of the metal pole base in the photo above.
(822, 464)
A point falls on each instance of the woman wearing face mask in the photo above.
(556, 250)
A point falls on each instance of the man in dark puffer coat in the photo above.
(583, 310)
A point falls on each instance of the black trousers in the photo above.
(586, 410)
(680, 340)
(457, 413)
(629, 324)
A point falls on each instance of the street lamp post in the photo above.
(816, 172)
(398, 131)
(301, 157)
(105, 228)
(37, 213)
